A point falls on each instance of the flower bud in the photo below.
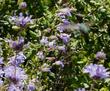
(100, 55)
(23, 5)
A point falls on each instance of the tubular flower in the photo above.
(63, 26)
(31, 86)
(100, 55)
(21, 21)
(65, 37)
(40, 55)
(62, 48)
(52, 44)
(44, 40)
(23, 5)
(18, 59)
(59, 63)
(96, 71)
(65, 21)
(64, 12)
(15, 74)
(17, 45)
(14, 87)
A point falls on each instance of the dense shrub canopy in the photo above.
(54, 45)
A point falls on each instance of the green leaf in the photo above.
(84, 28)
(33, 34)
(104, 89)
(19, 1)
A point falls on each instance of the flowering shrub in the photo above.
(54, 45)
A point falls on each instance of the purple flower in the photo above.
(96, 71)
(100, 55)
(15, 74)
(1, 68)
(1, 82)
(18, 59)
(61, 48)
(17, 45)
(65, 37)
(23, 5)
(52, 44)
(13, 87)
(21, 21)
(1, 60)
(31, 86)
(40, 55)
(65, 22)
(1, 73)
(61, 15)
(63, 26)
(80, 89)
(60, 63)
(64, 11)
(44, 40)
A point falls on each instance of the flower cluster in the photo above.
(12, 70)
(65, 37)
(15, 73)
(51, 42)
(21, 21)
(17, 45)
(18, 59)
(96, 71)
(62, 14)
